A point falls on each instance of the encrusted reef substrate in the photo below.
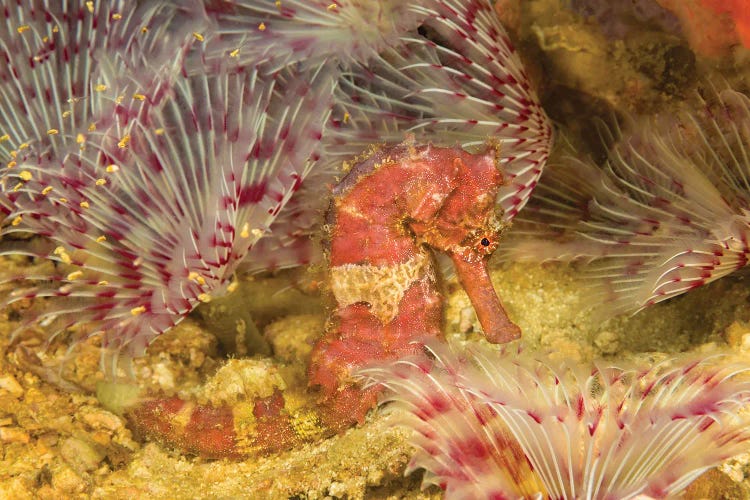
(60, 444)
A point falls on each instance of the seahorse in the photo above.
(394, 205)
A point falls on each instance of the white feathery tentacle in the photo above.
(150, 209)
(272, 35)
(668, 213)
(560, 431)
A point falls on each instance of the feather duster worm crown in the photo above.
(152, 149)
(149, 187)
(666, 214)
(511, 424)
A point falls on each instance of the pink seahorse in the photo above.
(384, 214)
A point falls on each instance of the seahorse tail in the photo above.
(262, 426)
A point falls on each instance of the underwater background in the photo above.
(591, 62)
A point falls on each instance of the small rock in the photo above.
(608, 342)
(337, 490)
(375, 477)
(292, 337)
(102, 438)
(13, 435)
(735, 335)
(242, 379)
(163, 376)
(467, 320)
(66, 481)
(48, 439)
(98, 419)
(10, 384)
(81, 455)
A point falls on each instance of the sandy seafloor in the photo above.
(57, 440)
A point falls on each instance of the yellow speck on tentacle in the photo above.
(112, 168)
(53, 131)
(62, 254)
(262, 26)
(80, 138)
(100, 87)
(332, 6)
(18, 186)
(103, 283)
(46, 190)
(234, 53)
(232, 287)
(139, 97)
(204, 297)
(23, 146)
(193, 276)
(12, 163)
(116, 16)
(90, 6)
(92, 127)
(100, 182)
(198, 37)
(84, 204)
(4, 137)
(245, 232)
(101, 239)
(124, 142)
(16, 221)
(138, 310)
(74, 275)
(25, 175)
(159, 131)
(22, 28)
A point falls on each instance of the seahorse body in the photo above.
(384, 214)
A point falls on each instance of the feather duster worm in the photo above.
(273, 35)
(512, 424)
(666, 214)
(148, 186)
(155, 147)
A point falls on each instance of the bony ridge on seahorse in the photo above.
(386, 212)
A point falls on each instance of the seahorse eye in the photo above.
(485, 242)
